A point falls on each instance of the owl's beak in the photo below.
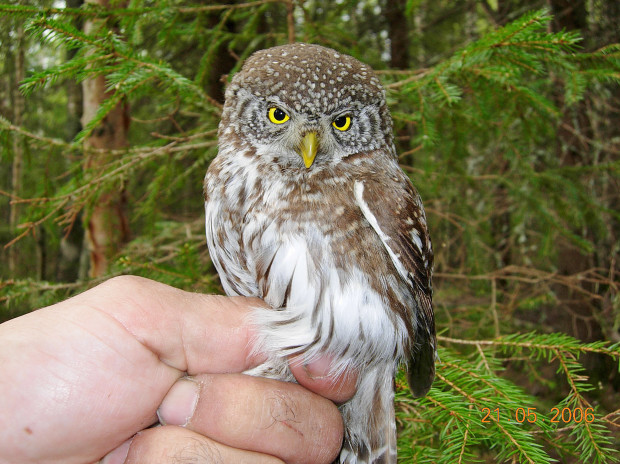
(309, 146)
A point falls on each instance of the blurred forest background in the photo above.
(507, 116)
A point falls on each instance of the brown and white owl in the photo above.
(307, 208)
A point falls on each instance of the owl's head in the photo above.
(307, 106)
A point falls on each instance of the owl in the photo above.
(307, 208)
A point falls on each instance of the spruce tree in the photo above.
(477, 132)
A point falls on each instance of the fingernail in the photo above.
(118, 455)
(180, 402)
(317, 369)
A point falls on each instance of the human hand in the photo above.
(80, 378)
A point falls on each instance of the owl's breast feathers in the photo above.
(344, 253)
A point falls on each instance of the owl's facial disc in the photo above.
(308, 148)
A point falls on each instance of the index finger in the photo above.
(191, 332)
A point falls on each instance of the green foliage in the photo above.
(104, 53)
(478, 126)
(474, 408)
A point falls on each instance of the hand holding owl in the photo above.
(81, 377)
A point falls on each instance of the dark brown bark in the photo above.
(569, 15)
(575, 315)
(398, 33)
(606, 106)
(71, 244)
(584, 317)
(223, 61)
(505, 11)
(18, 148)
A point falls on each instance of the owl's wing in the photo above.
(394, 209)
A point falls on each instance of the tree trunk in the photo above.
(71, 245)
(398, 33)
(417, 30)
(501, 221)
(18, 146)
(583, 317)
(508, 10)
(572, 151)
(223, 61)
(106, 224)
(606, 30)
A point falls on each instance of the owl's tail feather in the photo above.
(370, 424)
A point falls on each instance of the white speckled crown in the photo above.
(319, 76)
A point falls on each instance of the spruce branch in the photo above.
(462, 392)
(6, 125)
(100, 180)
(481, 123)
(95, 11)
(593, 441)
(106, 54)
(546, 344)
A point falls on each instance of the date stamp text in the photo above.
(532, 415)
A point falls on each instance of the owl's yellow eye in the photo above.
(277, 115)
(342, 123)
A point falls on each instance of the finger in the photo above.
(191, 332)
(315, 376)
(279, 418)
(174, 445)
(117, 455)
(99, 364)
